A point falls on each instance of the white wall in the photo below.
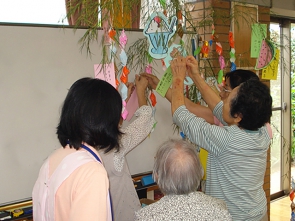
(37, 67)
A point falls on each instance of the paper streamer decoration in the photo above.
(218, 48)
(123, 57)
(123, 39)
(124, 113)
(123, 90)
(212, 35)
(220, 77)
(148, 69)
(232, 52)
(153, 99)
(113, 49)
(219, 51)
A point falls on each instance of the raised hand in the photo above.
(131, 88)
(152, 80)
(178, 67)
(192, 66)
(141, 84)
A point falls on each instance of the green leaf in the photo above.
(150, 58)
(163, 3)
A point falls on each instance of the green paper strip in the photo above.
(165, 82)
(220, 76)
(231, 55)
(197, 51)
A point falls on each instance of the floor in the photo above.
(280, 209)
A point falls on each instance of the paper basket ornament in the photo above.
(266, 54)
(159, 32)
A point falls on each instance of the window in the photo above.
(33, 11)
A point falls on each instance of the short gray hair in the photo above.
(177, 168)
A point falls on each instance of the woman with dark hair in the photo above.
(237, 152)
(72, 182)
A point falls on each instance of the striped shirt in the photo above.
(236, 162)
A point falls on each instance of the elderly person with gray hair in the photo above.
(178, 172)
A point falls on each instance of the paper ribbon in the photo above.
(218, 48)
(123, 90)
(232, 51)
(113, 51)
(112, 34)
(124, 113)
(233, 67)
(123, 57)
(221, 62)
(148, 69)
(117, 83)
(164, 67)
(124, 75)
(232, 55)
(153, 99)
(123, 39)
(231, 40)
(220, 77)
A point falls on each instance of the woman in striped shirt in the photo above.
(237, 152)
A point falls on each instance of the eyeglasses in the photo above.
(223, 89)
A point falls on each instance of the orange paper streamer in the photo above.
(231, 40)
(153, 99)
(112, 34)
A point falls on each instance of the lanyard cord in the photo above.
(97, 158)
(90, 151)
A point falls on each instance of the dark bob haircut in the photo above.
(91, 113)
(239, 76)
(253, 103)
